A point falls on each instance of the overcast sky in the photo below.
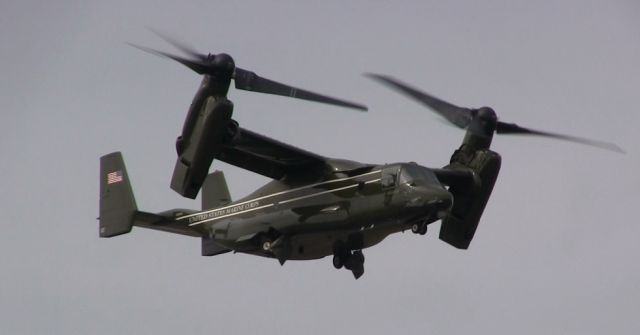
(557, 248)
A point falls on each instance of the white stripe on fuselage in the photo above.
(271, 204)
(276, 194)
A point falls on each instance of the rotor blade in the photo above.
(512, 128)
(179, 45)
(195, 65)
(249, 81)
(459, 116)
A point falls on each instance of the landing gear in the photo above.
(269, 241)
(353, 261)
(338, 262)
(277, 247)
(419, 228)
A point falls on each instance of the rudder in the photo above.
(215, 192)
(117, 203)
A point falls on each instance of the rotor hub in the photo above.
(222, 66)
(221, 60)
(487, 114)
(486, 120)
(481, 128)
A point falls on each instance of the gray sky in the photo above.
(556, 251)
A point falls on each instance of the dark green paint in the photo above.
(315, 206)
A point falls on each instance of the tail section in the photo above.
(117, 203)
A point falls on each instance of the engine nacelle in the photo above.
(470, 199)
(205, 141)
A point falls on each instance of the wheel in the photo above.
(415, 228)
(337, 262)
(419, 228)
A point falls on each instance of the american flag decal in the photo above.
(114, 177)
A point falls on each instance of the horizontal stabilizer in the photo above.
(118, 209)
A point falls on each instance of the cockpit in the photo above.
(415, 175)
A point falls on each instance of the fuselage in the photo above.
(308, 220)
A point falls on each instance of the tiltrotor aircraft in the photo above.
(315, 206)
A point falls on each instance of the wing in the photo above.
(263, 155)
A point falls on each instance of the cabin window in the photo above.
(389, 177)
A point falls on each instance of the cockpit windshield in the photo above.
(414, 174)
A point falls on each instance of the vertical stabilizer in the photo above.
(117, 204)
(215, 192)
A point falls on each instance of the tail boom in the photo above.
(118, 209)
